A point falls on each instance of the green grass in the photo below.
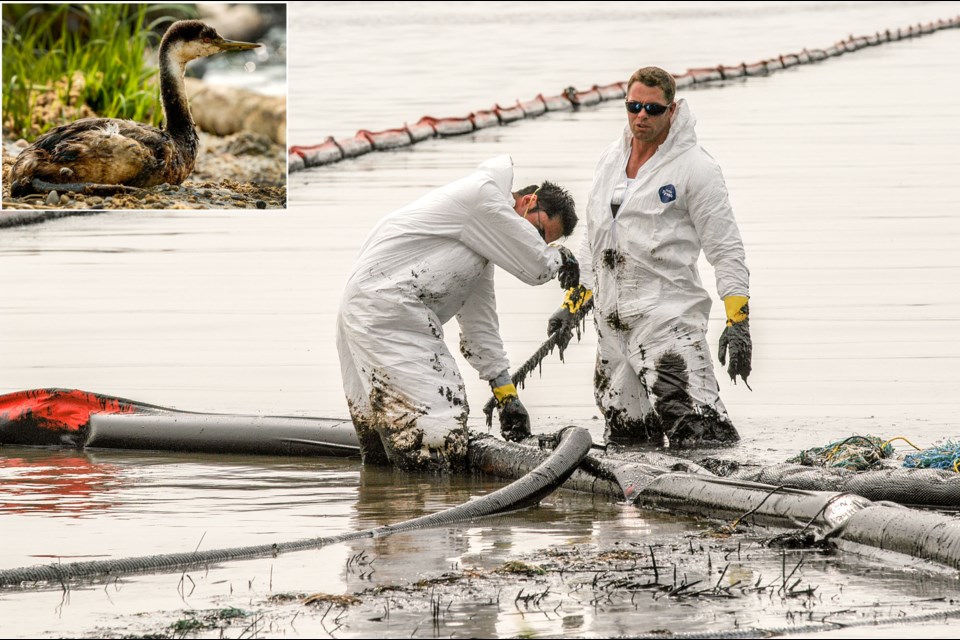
(65, 62)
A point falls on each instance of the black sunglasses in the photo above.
(652, 108)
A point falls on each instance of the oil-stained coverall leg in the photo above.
(666, 386)
(421, 425)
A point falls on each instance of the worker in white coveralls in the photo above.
(658, 199)
(420, 266)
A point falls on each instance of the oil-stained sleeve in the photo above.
(497, 233)
(480, 341)
(712, 215)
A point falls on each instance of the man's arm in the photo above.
(709, 207)
(501, 236)
(481, 345)
(712, 215)
(480, 341)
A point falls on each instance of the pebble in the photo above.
(261, 204)
(64, 199)
(53, 198)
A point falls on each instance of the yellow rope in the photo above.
(845, 441)
(901, 438)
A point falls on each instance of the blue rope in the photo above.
(944, 456)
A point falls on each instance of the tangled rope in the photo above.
(944, 456)
(856, 453)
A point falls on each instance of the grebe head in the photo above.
(187, 40)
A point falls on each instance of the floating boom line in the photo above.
(334, 150)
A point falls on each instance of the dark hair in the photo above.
(655, 77)
(556, 202)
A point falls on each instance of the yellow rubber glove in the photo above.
(564, 318)
(504, 392)
(736, 307)
(576, 297)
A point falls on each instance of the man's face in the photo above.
(643, 126)
(550, 229)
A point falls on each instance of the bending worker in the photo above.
(656, 200)
(420, 266)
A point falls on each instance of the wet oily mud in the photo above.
(738, 582)
(736, 339)
(371, 447)
(389, 433)
(601, 379)
(435, 329)
(615, 322)
(453, 397)
(612, 259)
(675, 414)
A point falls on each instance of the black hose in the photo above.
(574, 443)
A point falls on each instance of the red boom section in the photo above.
(56, 416)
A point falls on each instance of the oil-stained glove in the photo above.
(565, 318)
(514, 419)
(736, 339)
(569, 273)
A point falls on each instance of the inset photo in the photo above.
(144, 106)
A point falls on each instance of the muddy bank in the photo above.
(239, 171)
(718, 581)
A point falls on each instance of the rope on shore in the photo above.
(334, 150)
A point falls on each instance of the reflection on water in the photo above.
(55, 483)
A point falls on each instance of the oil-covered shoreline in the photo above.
(239, 171)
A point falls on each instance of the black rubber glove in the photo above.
(569, 273)
(736, 339)
(514, 420)
(561, 320)
(564, 319)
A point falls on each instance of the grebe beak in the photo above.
(233, 45)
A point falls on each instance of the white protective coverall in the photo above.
(654, 373)
(420, 266)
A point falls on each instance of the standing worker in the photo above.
(658, 199)
(422, 265)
